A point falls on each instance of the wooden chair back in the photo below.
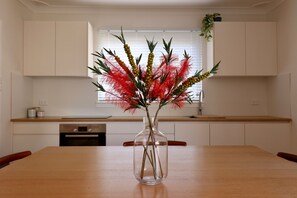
(5, 160)
(287, 156)
(170, 143)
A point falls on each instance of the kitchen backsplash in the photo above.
(60, 96)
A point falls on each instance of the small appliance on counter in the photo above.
(34, 112)
(40, 113)
(31, 113)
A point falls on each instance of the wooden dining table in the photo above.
(107, 172)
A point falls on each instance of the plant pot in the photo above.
(217, 19)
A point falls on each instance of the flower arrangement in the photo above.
(135, 86)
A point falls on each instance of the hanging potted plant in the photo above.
(207, 24)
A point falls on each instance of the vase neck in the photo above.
(154, 123)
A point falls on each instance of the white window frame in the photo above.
(201, 43)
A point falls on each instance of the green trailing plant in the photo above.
(207, 25)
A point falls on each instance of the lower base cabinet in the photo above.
(269, 136)
(272, 137)
(192, 132)
(119, 132)
(226, 133)
(34, 142)
(34, 136)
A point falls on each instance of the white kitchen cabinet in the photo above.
(34, 143)
(57, 48)
(119, 132)
(73, 48)
(194, 133)
(272, 137)
(39, 48)
(226, 133)
(34, 136)
(261, 50)
(244, 48)
(229, 42)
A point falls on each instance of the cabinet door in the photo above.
(123, 127)
(32, 128)
(229, 48)
(72, 48)
(39, 48)
(34, 136)
(35, 142)
(119, 132)
(272, 137)
(226, 133)
(261, 50)
(193, 133)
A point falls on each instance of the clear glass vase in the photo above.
(150, 154)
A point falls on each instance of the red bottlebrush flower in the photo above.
(184, 69)
(138, 87)
(117, 63)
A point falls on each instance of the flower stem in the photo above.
(151, 139)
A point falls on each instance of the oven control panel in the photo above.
(95, 128)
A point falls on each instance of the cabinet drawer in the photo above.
(124, 127)
(36, 128)
(272, 137)
(136, 127)
(34, 142)
(193, 133)
(166, 127)
(227, 134)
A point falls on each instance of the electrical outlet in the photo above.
(43, 103)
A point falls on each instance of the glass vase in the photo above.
(150, 154)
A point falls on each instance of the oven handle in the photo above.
(74, 136)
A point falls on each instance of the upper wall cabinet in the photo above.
(261, 49)
(39, 48)
(57, 48)
(244, 48)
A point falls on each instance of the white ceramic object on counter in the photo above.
(40, 114)
(31, 113)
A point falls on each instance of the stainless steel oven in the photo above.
(82, 134)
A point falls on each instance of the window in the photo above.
(181, 40)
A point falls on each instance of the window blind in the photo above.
(181, 40)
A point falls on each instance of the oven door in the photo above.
(82, 139)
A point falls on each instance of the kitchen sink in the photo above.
(206, 117)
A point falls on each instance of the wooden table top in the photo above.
(211, 171)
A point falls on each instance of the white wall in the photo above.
(21, 94)
(11, 53)
(224, 96)
(236, 95)
(286, 16)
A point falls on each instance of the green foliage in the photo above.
(151, 45)
(168, 49)
(207, 25)
(138, 59)
(121, 37)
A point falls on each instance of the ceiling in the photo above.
(214, 4)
